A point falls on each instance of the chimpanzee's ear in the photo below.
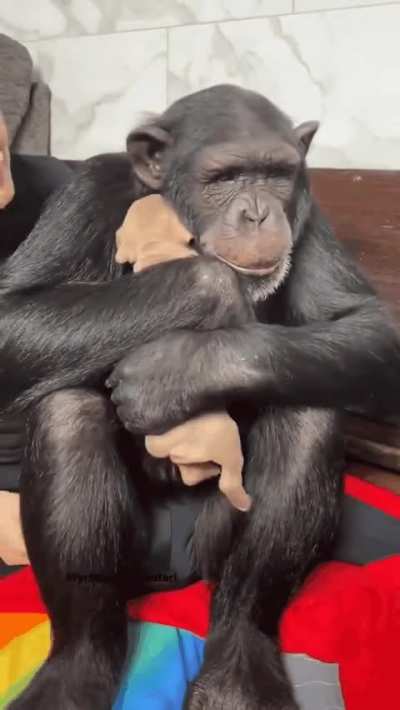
(146, 147)
(305, 133)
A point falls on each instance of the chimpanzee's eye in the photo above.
(279, 171)
(225, 175)
(229, 174)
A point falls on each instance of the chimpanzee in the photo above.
(271, 321)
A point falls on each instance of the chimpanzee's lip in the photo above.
(250, 272)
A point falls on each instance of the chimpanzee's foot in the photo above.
(54, 688)
(6, 181)
(241, 672)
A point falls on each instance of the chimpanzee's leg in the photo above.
(83, 525)
(81, 518)
(294, 461)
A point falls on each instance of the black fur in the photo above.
(282, 354)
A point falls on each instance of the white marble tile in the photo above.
(314, 5)
(339, 67)
(29, 20)
(35, 19)
(100, 87)
(138, 14)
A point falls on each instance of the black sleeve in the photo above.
(35, 179)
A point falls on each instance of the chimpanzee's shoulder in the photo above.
(106, 167)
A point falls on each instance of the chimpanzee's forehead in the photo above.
(238, 126)
(226, 114)
(267, 148)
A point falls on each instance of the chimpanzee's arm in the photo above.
(337, 348)
(71, 335)
(341, 348)
(55, 334)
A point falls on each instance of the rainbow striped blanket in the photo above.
(166, 637)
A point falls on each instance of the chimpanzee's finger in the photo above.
(110, 381)
(124, 370)
(114, 383)
(123, 393)
(125, 416)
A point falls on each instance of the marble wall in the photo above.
(108, 61)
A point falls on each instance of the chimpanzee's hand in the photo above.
(162, 383)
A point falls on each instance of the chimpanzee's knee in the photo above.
(74, 488)
(70, 418)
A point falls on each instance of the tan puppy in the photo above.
(208, 445)
(150, 234)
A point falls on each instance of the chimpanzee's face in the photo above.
(233, 167)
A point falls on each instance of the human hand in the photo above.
(12, 545)
(6, 182)
(202, 448)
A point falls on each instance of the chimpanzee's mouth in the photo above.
(266, 271)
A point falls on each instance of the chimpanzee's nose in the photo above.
(257, 213)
